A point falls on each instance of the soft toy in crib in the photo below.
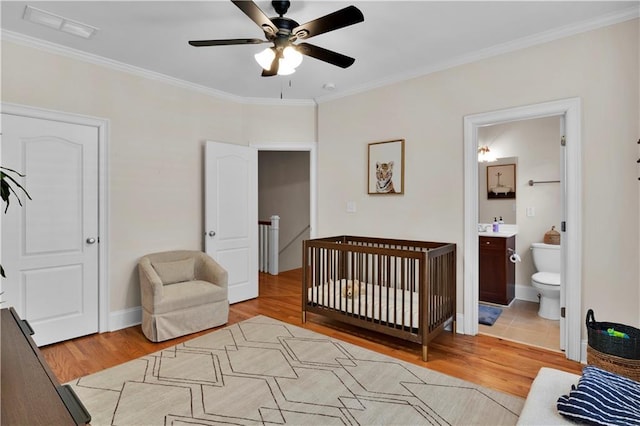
(353, 289)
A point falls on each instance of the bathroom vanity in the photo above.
(497, 273)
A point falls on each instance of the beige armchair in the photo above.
(182, 292)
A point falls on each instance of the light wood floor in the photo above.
(520, 322)
(489, 361)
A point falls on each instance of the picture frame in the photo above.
(386, 167)
(501, 182)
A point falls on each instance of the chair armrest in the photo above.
(150, 283)
(214, 273)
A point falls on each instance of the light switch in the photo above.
(531, 211)
(351, 206)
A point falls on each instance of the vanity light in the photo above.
(485, 155)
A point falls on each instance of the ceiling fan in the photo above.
(284, 56)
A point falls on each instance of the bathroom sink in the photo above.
(506, 230)
(505, 234)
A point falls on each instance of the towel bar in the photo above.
(531, 182)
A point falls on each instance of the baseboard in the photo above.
(125, 318)
(459, 323)
(528, 293)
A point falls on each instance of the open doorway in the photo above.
(286, 187)
(570, 298)
(532, 150)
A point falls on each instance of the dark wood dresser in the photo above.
(31, 394)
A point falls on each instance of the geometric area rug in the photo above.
(263, 371)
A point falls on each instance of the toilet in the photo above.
(546, 259)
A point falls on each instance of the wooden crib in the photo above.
(402, 288)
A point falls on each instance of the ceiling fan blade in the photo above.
(256, 15)
(339, 19)
(325, 55)
(232, 41)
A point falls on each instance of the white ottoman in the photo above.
(540, 405)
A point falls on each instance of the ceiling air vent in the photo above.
(57, 22)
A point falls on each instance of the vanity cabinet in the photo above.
(497, 273)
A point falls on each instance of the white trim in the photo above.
(125, 318)
(510, 46)
(312, 148)
(572, 240)
(69, 52)
(102, 125)
(528, 293)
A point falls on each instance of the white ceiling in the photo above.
(396, 41)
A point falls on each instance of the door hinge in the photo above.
(563, 141)
(563, 312)
(563, 226)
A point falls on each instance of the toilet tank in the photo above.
(546, 257)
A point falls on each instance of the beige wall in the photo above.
(157, 132)
(601, 67)
(155, 148)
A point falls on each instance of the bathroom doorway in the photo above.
(571, 251)
(532, 150)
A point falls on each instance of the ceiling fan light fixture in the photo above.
(265, 58)
(291, 58)
(289, 61)
(284, 69)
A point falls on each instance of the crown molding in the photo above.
(544, 37)
(511, 46)
(61, 50)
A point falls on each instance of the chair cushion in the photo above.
(188, 294)
(602, 398)
(176, 271)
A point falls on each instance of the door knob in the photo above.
(212, 233)
(91, 240)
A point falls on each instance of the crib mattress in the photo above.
(390, 305)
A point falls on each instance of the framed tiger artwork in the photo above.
(386, 167)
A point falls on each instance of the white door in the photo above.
(50, 245)
(231, 215)
(563, 239)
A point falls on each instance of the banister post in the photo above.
(274, 248)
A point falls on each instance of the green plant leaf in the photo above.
(6, 188)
